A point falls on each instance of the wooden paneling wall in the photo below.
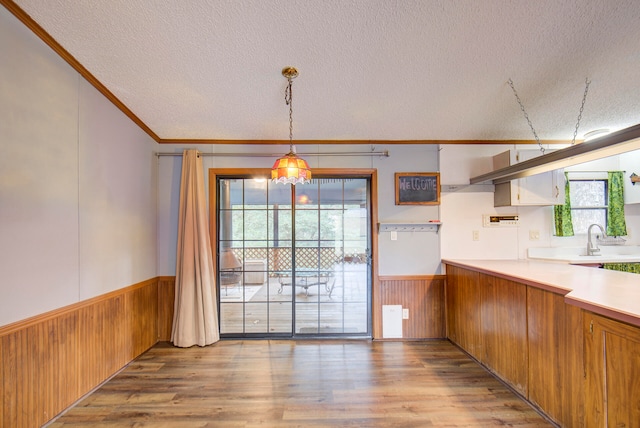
(504, 329)
(51, 360)
(166, 300)
(556, 371)
(424, 297)
(463, 315)
(487, 317)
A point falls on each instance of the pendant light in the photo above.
(290, 168)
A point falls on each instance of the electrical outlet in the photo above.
(405, 313)
(476, 235)
(534, 235)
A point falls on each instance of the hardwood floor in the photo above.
(284, 383)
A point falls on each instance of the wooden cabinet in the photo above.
(612, 361)
(540, 189)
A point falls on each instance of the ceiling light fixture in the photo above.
(290, 168)
(592, 135)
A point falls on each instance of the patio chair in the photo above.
(230, 271)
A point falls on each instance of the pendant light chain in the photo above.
(288, 99)
(526, 116)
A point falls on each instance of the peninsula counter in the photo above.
(565, 337)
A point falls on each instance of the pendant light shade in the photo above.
(290, 169)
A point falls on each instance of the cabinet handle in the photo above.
(557, 191)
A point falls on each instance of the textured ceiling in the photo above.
(369, 69)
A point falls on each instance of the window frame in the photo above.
(604, 207)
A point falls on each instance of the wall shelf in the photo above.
(431, 226)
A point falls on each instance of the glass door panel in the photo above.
(267, 289)
(254, 237)
(332, 239)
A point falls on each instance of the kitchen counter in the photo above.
(613, 294)
(577, 255)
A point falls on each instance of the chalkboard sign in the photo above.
(417, 188)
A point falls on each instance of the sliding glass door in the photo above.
(294, 260)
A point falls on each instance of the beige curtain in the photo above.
(195, 318)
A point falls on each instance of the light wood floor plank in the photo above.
(303, 384)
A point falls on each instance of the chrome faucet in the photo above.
(592, 246)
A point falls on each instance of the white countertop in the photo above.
(577, 255)
(609, 293)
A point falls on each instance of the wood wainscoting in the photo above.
(166, 304)
(51, 360)
(423, 295)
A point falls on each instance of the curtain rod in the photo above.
(384, 153)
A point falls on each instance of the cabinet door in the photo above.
(612, 359)
(540, 189)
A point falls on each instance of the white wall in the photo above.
(462, 211)
(632, 216)
(630, 164)
(77, 184)
(412, 254)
